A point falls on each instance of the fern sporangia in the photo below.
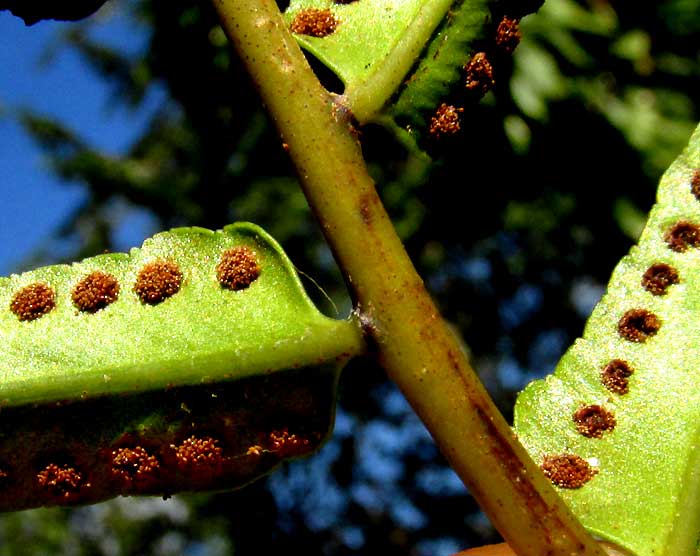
(401, 61)
(626, 460)
(194, 362)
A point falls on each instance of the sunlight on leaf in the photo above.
(161, 369)
(616, 426)
(401, 60)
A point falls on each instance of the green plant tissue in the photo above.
(616, 426)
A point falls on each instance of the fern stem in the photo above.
(415, 346)
(505, 550)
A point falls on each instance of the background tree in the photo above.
(599, 98)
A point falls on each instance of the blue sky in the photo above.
(32, 202)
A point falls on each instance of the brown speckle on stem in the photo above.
(367, 210)
(95, 291)
(567, 470)
(157, 281)
(682, 236)
(615, 375)
(593, 420)
(33, 301)
(508, 34)
(315, 22)
(237, 269)
(60, 481)
(479, 74)
(638, 325)
(445, 121)
(659, 277)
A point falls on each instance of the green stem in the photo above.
(505, 550)
(415, 346)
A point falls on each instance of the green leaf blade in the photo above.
(203, 333)
(645, 495)
(359, 47)
(377, 45)
(442, 65)
(208, 386)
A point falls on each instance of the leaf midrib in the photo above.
(367, 97)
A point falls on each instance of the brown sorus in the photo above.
(238, 268)
(157, 281)
(315, 22)
(567, 470)
(33, 301)
(695, 184)
(95, 291)
(134, 464)
(659, 277)
(682, 236)
(61, 481)
(198, 451)
(285, 444)
(593, 420)
(445, 121)
(615, 375)
(479, 74)
(508, 34)
(638, 325)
